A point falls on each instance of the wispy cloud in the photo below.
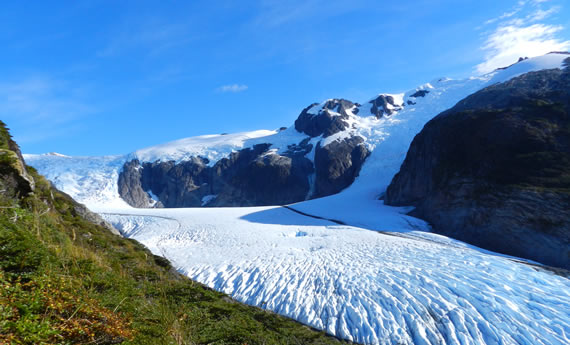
(541, 14)
(42, 108)
(276, 13)
(521, 32)
(232, 88)
(151, 36)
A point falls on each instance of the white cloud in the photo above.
(518, 34)
(232, 88)
(541, 14)
(503, 16)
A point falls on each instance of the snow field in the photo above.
(360, 285)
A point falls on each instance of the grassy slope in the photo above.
(64, 280)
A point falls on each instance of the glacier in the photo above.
(360, 285)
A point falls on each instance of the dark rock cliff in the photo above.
(494, 170)
(252, 176)
(338, 164)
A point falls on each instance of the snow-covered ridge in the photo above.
(56, 154)
(212, 147)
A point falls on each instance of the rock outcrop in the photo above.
(494, 170)
(250, 177)
(326, 120)
(259, 175)
(384, 105)
(256, 176)
(338, 164)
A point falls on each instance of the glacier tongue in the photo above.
(89, 180)
(369, 287)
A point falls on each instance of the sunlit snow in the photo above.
(358, 284)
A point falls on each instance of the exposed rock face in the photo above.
(419, 93)
(254, 176)
(494, 170)
(183, 184)
(130, 185)
(338, 164)
(328, 120)
(384, 105)
(259, 175)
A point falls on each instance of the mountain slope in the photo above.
(392, 138)
(494, 170)
(65, 280)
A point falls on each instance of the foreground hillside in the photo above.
(65, 280)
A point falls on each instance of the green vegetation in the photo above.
(5, 137)
(64, 280)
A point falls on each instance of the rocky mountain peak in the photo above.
(326, 118)
(385, 105)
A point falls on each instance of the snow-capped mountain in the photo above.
(400, 284)
(321, 154)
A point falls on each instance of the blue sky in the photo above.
(109, 77)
